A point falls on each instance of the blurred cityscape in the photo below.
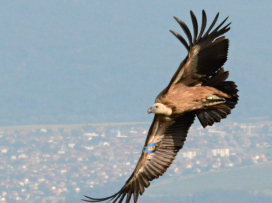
(57, 164)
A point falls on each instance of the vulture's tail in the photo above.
(218, 112)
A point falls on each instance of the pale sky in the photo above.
(106, 61)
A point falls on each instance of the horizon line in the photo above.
(72, 126)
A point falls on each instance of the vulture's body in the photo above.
(198, 88)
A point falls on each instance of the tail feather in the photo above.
(215, 113)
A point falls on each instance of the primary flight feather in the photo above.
(198, 88)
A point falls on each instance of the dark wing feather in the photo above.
(218, 81)
(181, 39)
(195, 25)
(185, 29)
(207, 53)
(204, 23)
(171, 135)
(211, 26)
(216, 29)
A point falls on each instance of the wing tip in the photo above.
(181, 39)
(197, 38)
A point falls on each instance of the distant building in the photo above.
(222, 152)
(189, 155)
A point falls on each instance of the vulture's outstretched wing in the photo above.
(165, 138)
(206, 52)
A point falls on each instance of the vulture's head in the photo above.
(159, 108)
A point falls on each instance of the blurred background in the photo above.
(105, 61)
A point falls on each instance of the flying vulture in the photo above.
(198, 88)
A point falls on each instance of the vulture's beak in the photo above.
(150, 110)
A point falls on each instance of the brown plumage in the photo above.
(198, 88)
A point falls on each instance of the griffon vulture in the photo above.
(198, 88)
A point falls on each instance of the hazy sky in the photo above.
(106, 61)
